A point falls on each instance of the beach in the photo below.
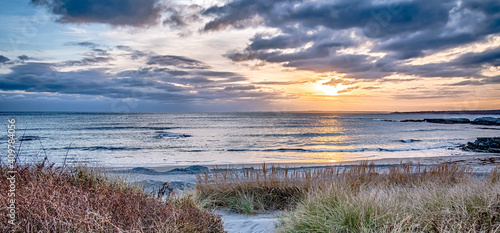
(149, 150)
(182, 179)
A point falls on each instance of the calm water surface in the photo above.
(158, 139)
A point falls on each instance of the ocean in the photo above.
(183, 139)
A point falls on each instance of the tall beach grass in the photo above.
(364, 198)
(80, 199)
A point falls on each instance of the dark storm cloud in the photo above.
(144, 83)
(191, 78)
(344, 14)
(3, 59)
(178, 61)
(467, 65)
(164, 78)
(317, 30)
(488, 57)
(114, 12)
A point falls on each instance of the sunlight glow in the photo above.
(330, 90)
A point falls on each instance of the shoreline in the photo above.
(183, 178)
(471, 159)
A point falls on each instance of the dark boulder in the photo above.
(491, 145)
(448, 120)
(28, 138)
(410, 120)
(486, 121)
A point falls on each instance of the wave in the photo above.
(431, 130)
(345, 150)
(21, 138)
(338, 150)
(387, 120)
(160, 135)
(97, 148)
(128, 127)
(286, 149)
(315, 150)
(297, 135)
(414, 148)
(238, 150)
(409, 140)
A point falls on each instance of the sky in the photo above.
(249, 55)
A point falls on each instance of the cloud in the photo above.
(159, 79)
(440, 94)
(344, 36)
(84, 44)
(134, 54)
(88, 61)
(240, 88)
(24, 58)
(113, 12)
(180, 15)
(478, 82)
(336, 81)
(281, 82)
(395, 17)
(3, 59)
(178, 61)
(488, 57)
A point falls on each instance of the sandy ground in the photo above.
(260, 223)
(182, 179)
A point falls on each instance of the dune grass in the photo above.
(364, 198)
(50, 199)
(464, 205)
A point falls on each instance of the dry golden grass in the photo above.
(439, 202)
(363, 198)
(271, 188)
(50, 199)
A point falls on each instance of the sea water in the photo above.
(164, 139)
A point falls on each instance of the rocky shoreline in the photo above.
(477, 121)
(489, 145)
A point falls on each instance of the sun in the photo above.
(329, 90)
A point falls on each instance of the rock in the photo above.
(448, 120)
(181, 185)
(486, 121)
(161, 134)
(190, 170)
(491, 145)
(409, 140)
(145, 171)
(28, 138)
(412, 120)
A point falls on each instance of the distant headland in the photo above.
(475, 112)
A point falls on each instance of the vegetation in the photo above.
(52, 199)
(403, 198)
(364, 198)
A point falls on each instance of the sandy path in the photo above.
(238, 223)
